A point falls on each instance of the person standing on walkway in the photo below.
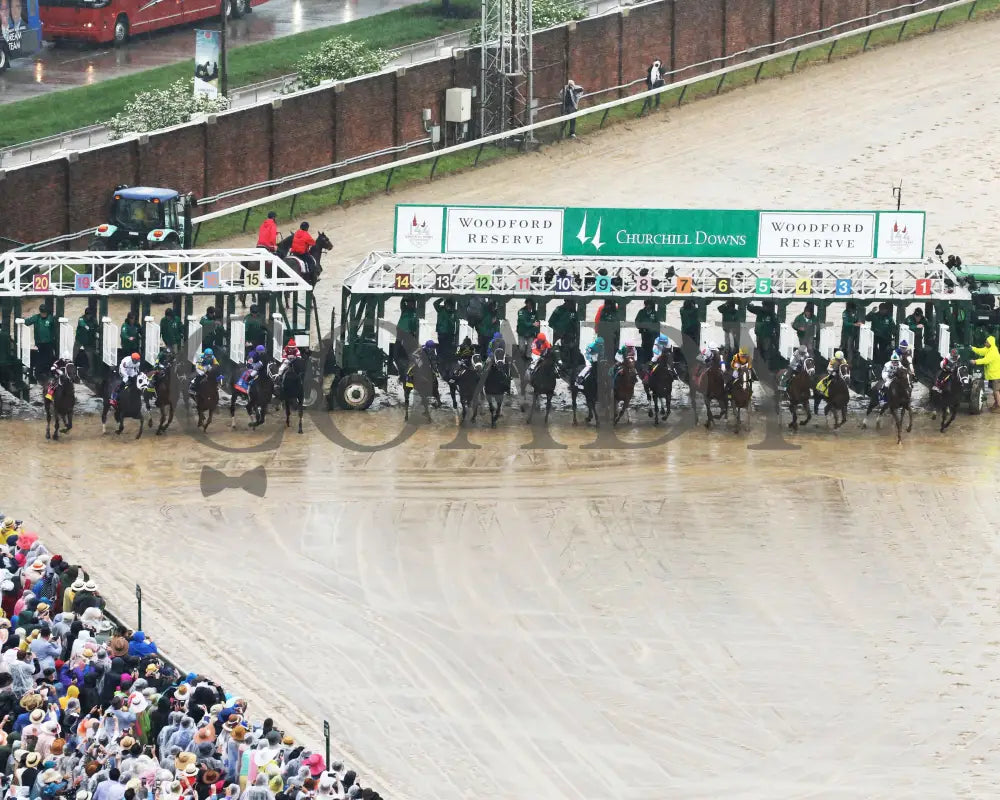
(570, 95)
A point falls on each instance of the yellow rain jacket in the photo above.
(990, 359)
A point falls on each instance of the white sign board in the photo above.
(900, 235)
(816, 235)
(503, 231)
(419, 229)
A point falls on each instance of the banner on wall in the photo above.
(206, 63)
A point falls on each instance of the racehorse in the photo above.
(798, 392)
(422, 377)
(947, 393)
(292, 390)
(659, 385)
(590, 391)
(837, 394)
(570, 362)
(464, 380)
(128, 404)
(543, 382)
(898, 394)
(496, 382)
(60, 397)
(310, 276)
(206, 399)
(710, 380)
(624, 387)
(741, 393)
(258, 397)
(166, 388)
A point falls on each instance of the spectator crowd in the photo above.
(92, 711)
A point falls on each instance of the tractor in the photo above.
(146, 218)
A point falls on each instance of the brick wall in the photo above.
(646, 32)
(89, 181)
(336, 123)
(749, 23)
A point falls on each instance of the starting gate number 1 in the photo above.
(40, 283)
(602, 283)
(923, 286)
(126, 282)
(169, 280)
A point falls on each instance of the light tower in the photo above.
(506, 82)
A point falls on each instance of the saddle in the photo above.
(823, 385)
(50, 389)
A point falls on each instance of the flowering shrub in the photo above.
(544, 14)
(176, 104)
(338, 59)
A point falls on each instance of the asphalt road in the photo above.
(71, 65)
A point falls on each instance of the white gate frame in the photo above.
(866, 342)
(65, 339)
(193, 338)
(25, 341)
(109, 342)
(944, 340)
(788, 339)
(237, 340)
(828, 342)
(277, 336)
(151, 340)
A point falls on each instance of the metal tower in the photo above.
(506, 85)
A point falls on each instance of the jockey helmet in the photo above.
(953, 355)
(304, 226)
(208, 352)
(541, 337)
(291, 342)
(839, 354)
(260, 349)
(743, 351)
(496, 336)
(598, 340)
(135, 356)
(904, 343)
(663, 339)
(894, 357)
(803, 350)
(430, 344)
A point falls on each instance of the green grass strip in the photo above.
(67, 109)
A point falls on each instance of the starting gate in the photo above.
(277, 336)
(828, 341)
(109, 342)
(151, 344)
(788, 340)
(194, 333)
(944, 340)
(65, 339)
(866, 342)
(25, 341)
(237, 341)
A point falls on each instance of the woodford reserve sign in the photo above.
(660, 233)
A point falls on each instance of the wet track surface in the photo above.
(66, 65)
(697, 619)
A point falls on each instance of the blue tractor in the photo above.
(146, 218)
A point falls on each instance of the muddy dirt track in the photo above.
(698, 619)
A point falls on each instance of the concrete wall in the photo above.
(335, 123)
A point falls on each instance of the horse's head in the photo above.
(71, 372)
(476, 361)
(323, 243)
(809, 366)
(844, 372)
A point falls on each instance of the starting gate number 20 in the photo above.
(40, 283)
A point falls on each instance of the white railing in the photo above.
(944, 340)
(65, 338)
(866, 342)
(525, 132)
(109, 342)
(151, 342)
(146, 272)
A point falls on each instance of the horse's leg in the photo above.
(531, 409)
(548, 407)
(232, 408)
(211, 413)
(288, 413)
(572, 398)
(406, 403)
(909, 417)
(454, 403)
(794, 424)
(141, 421)
(302, 404)
(48, 423)
(120, 418)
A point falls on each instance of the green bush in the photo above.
(338, 59)
(544, 14)
(161, 108)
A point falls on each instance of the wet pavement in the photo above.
(79, 65)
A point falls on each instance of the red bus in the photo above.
(102, 21)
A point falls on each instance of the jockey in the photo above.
(661, 346)
(951, 361)
(466, 349)
(799, 356)
(741, 359)
(906, 354)
(625, 351)
(202, 365)
(892, 366)
(289, 353)
(832, 367)
(496, 343)
(302, 244)
(591, 356)
(128, 369)
(539, 347)
(255, 363)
